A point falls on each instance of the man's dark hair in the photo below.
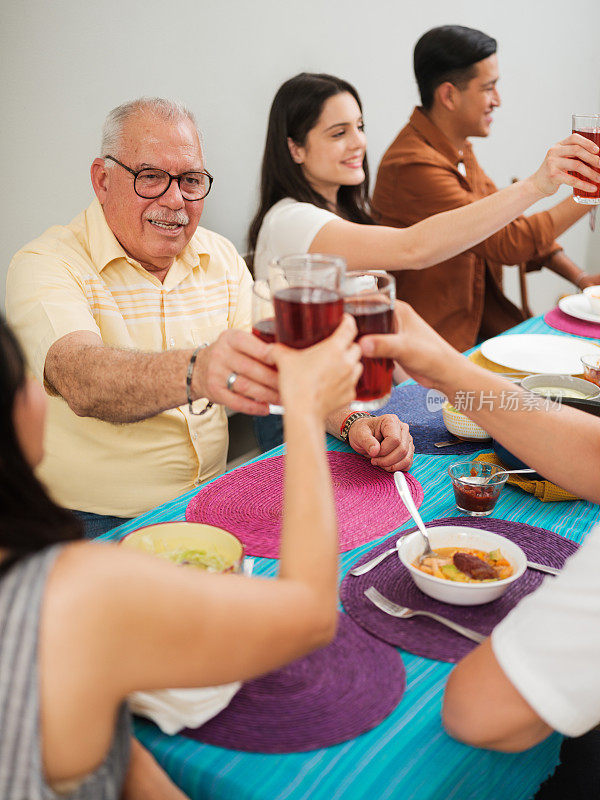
(449, 53)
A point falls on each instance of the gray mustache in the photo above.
(178, 218)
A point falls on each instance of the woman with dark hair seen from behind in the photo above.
(29, 520)
(314, 187)
(85, 610)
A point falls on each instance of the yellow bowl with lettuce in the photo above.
(460, 425)
(190, 544)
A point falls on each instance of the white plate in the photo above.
(577, 305)
(538, 352)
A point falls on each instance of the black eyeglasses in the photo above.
(151, 183)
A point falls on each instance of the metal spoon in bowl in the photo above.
(406, 497)
(506, 472)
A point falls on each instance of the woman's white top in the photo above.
(549, 645)
(288, 227)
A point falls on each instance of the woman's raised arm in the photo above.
(115, 621)
(561, 443)
(445, 235)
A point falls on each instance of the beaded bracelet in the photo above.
(188, 384)
(349, 422)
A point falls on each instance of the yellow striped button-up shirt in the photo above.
(77, 277)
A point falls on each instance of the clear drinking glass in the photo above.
(263, 321)
(587, 125)
(369, 296)
(307, 297)
(477, 486)
(591, 368)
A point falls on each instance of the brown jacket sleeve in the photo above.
(414, 191)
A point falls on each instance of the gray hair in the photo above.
(168, 110)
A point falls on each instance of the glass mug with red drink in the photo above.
(307, 297)
(587, 125)
(263, 321)
(263, 313)
(369, 296)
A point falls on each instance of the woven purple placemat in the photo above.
(426, 426)
(563, 322)
(328, 697)
(248, 503)
(424, 637)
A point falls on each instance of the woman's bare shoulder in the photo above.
(86, 572)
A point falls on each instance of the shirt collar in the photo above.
(105, 247)
(436, 138)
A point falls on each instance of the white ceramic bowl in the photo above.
(593, 295)
(453, 592)
(460, 425)
(589, 390)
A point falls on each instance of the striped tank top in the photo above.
(21, 770)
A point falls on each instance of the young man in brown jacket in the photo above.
(430, 167)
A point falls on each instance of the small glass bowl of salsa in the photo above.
(477, 486)
(591, 368)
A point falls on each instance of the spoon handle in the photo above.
(404, 492)
(516, 471)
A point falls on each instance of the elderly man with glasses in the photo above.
(134, 314)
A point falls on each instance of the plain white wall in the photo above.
(67, 62)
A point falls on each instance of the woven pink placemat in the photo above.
(563, 322)
(248, 503)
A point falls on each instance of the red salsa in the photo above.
(475, 495)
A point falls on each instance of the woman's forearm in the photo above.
(428, 242)
(445, 235)
(561, 443)
(309, 544)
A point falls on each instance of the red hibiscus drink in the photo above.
(369, 296)
(587, 125)
(307, 297)
(263, 321)
(265, 330)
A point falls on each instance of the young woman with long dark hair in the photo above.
(314, 187)
(82, 625)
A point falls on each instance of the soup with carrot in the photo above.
(466, 565)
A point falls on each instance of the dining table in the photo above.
(409, 754)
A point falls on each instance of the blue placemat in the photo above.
(426, 425)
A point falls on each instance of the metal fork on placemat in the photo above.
(394, 610)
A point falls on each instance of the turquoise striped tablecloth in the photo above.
(409, 755)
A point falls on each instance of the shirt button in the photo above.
(194, 436)
(171, 342)
(197, 482)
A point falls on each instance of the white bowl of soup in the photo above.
(559, 386)
(189, 544)
(445, 581)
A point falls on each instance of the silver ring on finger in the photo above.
(230, 381)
